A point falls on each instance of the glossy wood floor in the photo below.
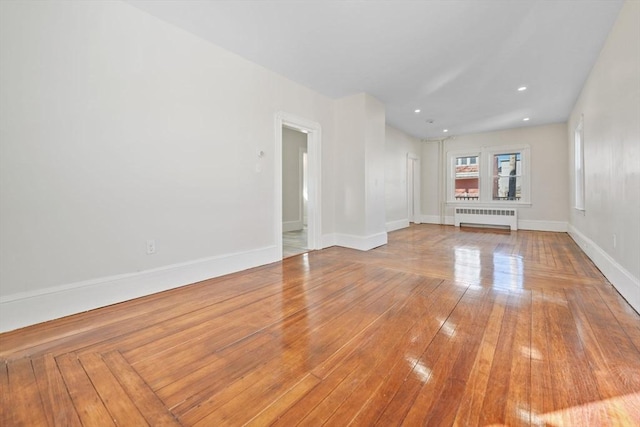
(294, 242)
(441, 327)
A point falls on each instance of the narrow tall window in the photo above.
(578, 154)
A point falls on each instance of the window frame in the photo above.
(485, 175)
(451, 177)
(497, 176)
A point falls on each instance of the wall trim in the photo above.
(557, 226)
(397, 225)
(620, 278)
(28, 308)
(362, 243)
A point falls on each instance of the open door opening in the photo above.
(294, 192)
(413, 188)
(298, 179)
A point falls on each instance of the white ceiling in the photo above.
(459, 62)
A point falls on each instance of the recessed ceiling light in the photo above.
(445, 130)
(522, 88)
(417, 110)
(526, 119)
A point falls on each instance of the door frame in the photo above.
(414, 160)
(301, 180)
(314, 178)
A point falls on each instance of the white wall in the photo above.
(293, 143)
(117, 128)
(397, 145)
(350, 168)
(359, 173)
(374, 167)
(549, 178)
(431, 179)
(610, 104)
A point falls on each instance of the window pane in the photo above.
(467, 178)
(507, 179)
(507, 187)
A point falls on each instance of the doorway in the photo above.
(413, 188)
(307, 206)
(294, 192)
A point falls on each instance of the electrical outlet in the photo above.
(151, 247)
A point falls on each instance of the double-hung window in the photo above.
(506, 176)
(467, 177)
(494, 175)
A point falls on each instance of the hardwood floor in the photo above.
(294, 242)
(441, 327)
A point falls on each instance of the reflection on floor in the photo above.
(294, 242)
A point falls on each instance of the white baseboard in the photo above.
(557, 226)
(362, 243)
(430, 219)
(449, 220)
(29, 308)
(397, 225)
(292, 225)
(623, 280)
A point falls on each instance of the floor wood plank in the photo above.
(438, 398)
(57, 403)
(26, 404)
(91, 410)
(470, 407)
(6, 414)
(119, 404)
(145, 400)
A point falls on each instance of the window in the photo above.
(467, 176)
(495, 175)
(507, 176)
(578, 154)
